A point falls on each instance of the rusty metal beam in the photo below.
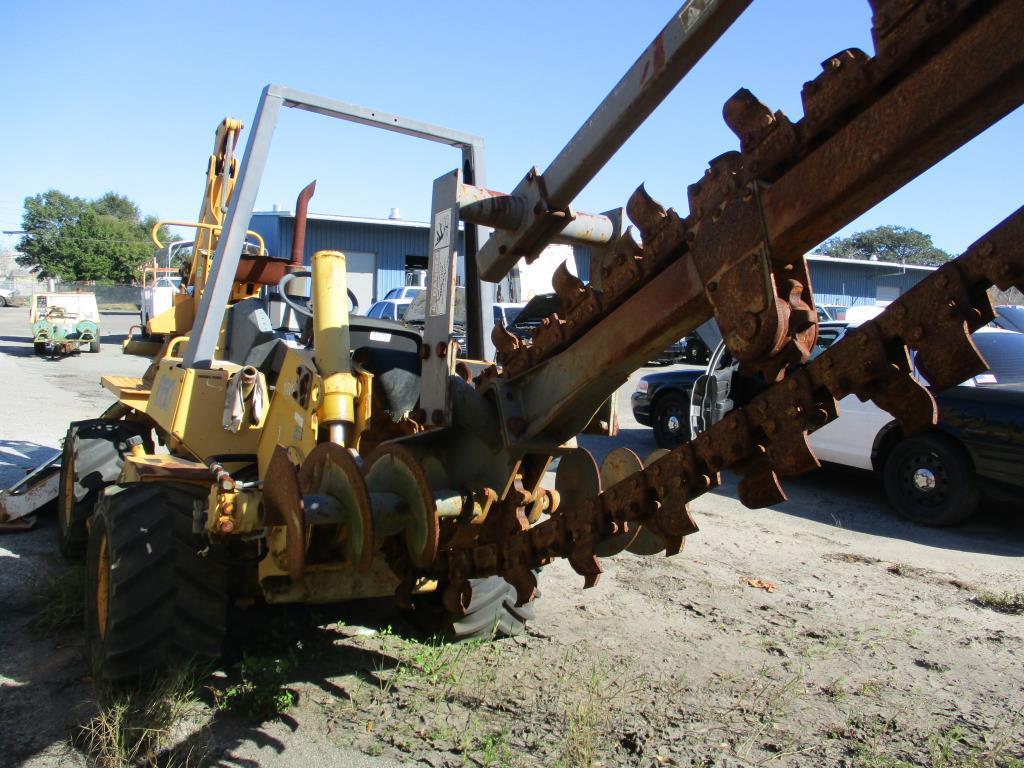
(968, 85)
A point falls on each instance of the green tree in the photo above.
(902, 245)
(70, 238)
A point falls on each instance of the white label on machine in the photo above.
(439, 279)
(378, 336)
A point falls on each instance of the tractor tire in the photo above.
(929, 479)
(156, 593)
(492, 613)
(94, 346)
(94, 452)
(40, 347)
(671, 420)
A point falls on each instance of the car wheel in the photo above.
(3, 301)
(671, 420)
(930, 480)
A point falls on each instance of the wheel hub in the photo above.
(924, 480)
(673, 423)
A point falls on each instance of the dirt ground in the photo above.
(824, 631)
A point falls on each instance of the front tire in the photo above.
(671, 420)
(94, 452)
(156, 593)
(94, 346)
(930, 480)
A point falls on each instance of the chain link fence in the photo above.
(109, 297)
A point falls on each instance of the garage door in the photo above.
(362, 273)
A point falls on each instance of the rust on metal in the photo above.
(282, 497)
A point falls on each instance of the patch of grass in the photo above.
(585, 724)
(1005, 602)
(141, 727)
(260, 694)
(63, 603)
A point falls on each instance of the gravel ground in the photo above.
(821, 632)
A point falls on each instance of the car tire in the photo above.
(930, 479)
(671, 420)
(3, 301)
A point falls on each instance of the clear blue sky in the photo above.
(125, 96)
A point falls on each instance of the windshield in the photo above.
(402, 309)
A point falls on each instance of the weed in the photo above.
(139, 727)
(260, 694)
(63, 606)
(1006, 602)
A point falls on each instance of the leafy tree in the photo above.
(902, 245)
(71, 238)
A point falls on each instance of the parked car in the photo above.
(63, 323)
(695, 351)
(662, 401)
(7, 297)
(934, 477)
(1010, 317)
(405, 292)
(507, 312)
(389, 309)
(533, 313)
(675, 353)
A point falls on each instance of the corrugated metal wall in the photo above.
(391, 243)
(850, 285)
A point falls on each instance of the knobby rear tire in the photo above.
(156, 593)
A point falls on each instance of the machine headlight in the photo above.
(642, 386)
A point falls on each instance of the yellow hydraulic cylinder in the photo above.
(331, 345)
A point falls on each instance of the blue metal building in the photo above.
(381, 252)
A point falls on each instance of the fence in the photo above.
(108, 297)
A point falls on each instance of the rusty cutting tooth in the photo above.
(627, 246)
(525, 582)
(748, 118)
(568, 287)
(505, 342)
(584, 562)
(645, 212)
(457, 596)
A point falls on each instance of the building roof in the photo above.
(347, 219)
(865, 262)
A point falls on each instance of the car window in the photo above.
(394, 293)
(375, 310)
(1004, 353)
(401, 310)
(826, 338)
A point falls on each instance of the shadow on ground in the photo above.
(48, 696)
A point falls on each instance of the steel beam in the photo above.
(206, 329)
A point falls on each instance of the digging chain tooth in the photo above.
(568, 288)
(718, 183)
(506, 344)
(627, 246)
(845, 79)
(748, 118)
(645, 212)
(457, 596)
